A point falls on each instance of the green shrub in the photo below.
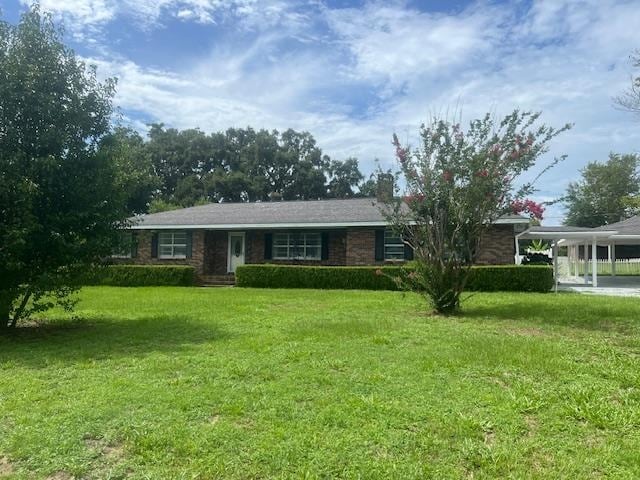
(511, 278)
(142, 275)
(289, 276)
(483, 278)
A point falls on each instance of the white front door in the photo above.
(236, 251)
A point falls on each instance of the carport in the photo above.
(626, 232)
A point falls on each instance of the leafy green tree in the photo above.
(458, 183)
(371, 186)
(601, 196)
(158, 205)
(134, 170)
(60, 202)
(345, 178)
(177, 154)
(243, 164)
(189, 191)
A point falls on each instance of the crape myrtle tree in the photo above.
(457, 184)
(630, 99)
(61, 195)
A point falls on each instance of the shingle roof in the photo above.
(630, 226)
(352, 211)
(303, 213)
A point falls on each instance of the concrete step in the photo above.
(218, 280)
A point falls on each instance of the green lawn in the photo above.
(163, 383)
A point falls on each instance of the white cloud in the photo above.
(85, 19)
(82, 17)
(354, 76)
(397, 44)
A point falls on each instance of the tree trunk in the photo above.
(20, 310)
(6, 300)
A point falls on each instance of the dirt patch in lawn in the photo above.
(532, 425)
(61, 475)
(528, 331)
(6, 467)
(109, 457)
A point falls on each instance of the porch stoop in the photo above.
(228, 280)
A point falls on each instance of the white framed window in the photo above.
(172, 245)
(297, 246)
(393, 246)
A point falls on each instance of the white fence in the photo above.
(623, 267)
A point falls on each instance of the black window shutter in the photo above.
(154, 245)
(134, 245)
(408, 252)
(189, 244)
(379, 245)
(324, 246)
(268, 245)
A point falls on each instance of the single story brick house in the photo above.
(216, 238)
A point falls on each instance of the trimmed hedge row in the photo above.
(511, 278)
(142, 276)
(290, 276)
(514, 278)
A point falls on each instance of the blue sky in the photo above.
(354, 72)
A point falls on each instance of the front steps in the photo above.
(228, 280)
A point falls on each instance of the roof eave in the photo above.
(255, 226)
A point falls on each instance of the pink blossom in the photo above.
(482, 173)
(496, 149)
(414, 198)
(401, 153)
(534, 209)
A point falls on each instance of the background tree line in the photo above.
(180, 168)
(606, 193)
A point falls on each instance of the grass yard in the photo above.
(184, 383)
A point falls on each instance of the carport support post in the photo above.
(613, 258)
(586, 262)
(555, 266)
(594, 259)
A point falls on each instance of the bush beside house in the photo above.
(483, 278)
(142, 276)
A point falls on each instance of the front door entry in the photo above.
(236, 251)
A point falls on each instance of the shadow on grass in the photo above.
(577, 311)
(100, 338)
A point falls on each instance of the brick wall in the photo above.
(361, 246)
(216, 250)
(197, 252)
(353, 246)
(497, 247)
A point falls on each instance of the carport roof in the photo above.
(626, 230)
(630, 226)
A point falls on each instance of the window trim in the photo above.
(173, 245)
(289, 245)
(387, 258)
